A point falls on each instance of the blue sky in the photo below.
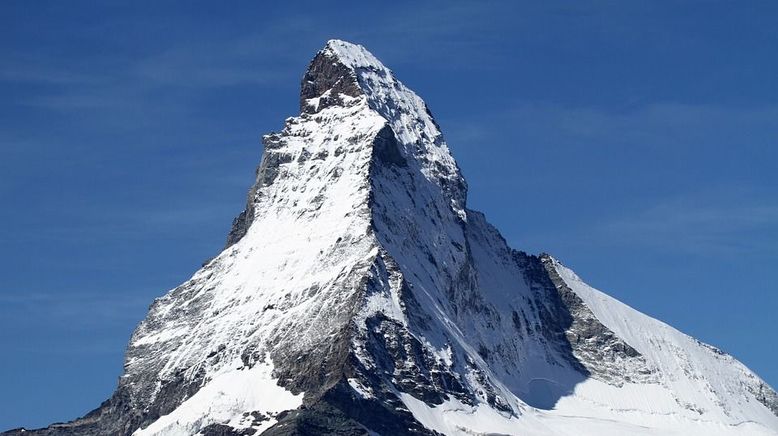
(635, 141)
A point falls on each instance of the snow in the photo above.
(163, 336)
(359, 388)
(454, 418)
(575, 417)
(224, 400)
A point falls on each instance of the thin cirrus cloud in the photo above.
(133, 81)
(654, 125)
(699, 228)
(73, 310)
(691, 178)
(654, 136)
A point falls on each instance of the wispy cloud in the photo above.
(654, 136)
(263, 58)
(33, 71)
(137, 86)
(724, 201)
(652, 125)
(713, 224)
(74, 307)
(88, 224)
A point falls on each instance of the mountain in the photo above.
(358, 295)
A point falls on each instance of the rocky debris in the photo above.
(325, 81)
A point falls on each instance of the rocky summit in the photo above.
(358, 295)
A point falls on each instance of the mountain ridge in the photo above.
(360, 291)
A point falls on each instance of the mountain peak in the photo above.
(353, 55)
(334, 72)
(329, 77)
(344, 73)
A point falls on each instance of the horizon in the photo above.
(131, 136)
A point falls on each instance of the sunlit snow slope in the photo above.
(358, 294)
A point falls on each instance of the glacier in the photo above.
(358, 294)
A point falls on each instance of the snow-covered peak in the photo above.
(353, 55)
(342, 71)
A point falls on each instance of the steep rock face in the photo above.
(357, 294)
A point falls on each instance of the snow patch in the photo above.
(361, 389)
(455, 418)
(227, 399)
